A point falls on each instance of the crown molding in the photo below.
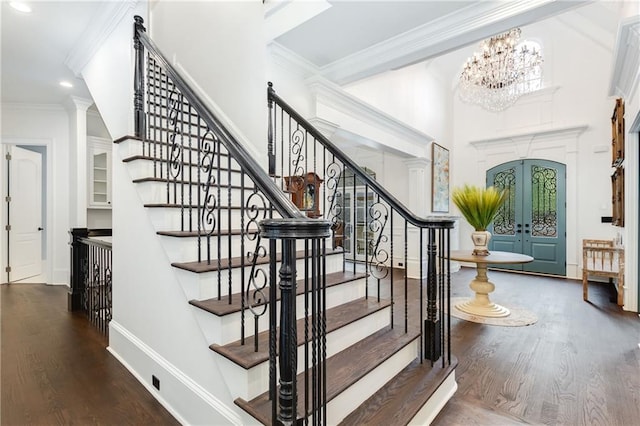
(74, 103)
(538, 136)
(448, 33)
(32, 107)
(284, 15)
(291, 61)
(335, 97)
(626, 59)
(104, 22)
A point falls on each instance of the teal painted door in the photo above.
(532, 219)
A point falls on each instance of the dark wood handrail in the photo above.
(277, 197)
(420, 222)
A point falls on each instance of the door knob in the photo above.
(40, 228)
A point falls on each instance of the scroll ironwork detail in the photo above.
(505, 220)
(544, 201)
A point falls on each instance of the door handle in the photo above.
(526, 232)
(40, 228)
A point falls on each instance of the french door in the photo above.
(532, 220)
(356, 217)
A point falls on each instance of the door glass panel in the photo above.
(348, 227)
(505, 220)
(544, 201)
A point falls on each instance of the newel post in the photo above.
(285, 398)
(432, 324)
(79, 259)
(138, 78)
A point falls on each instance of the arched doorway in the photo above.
(532, 219)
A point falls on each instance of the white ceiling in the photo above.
(348, 27)
(342, 41)
(34, 49)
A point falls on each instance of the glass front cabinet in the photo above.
(99, 153)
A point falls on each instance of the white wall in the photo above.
(220, 45)
(419, 95)
(44, 125)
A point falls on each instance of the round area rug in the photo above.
(519, 316)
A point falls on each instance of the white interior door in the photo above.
(25, 214)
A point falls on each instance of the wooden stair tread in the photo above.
(187, 234)
(337, 317)
(236, 262)
(162, 161)
(185, 183)
(165, 144)
(195, 207)
(346, 367)
(222, 306)
(402, 397)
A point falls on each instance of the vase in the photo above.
(480, 242)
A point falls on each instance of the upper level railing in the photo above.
(368, 222)
(91, 272)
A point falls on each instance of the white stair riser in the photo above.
(186, 249)
(160, 192)
(248, 384)
(226, 329)
(176, 219)
(139, 169)
(131, 147)
(207, 282)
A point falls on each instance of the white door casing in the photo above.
(25, 214)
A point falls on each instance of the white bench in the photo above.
(602, 258)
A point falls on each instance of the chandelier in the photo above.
(502, 72)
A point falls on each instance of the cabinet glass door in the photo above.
(100, 194)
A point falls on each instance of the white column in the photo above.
(77, 110)
(419, 185)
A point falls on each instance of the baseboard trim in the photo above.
(188, 388)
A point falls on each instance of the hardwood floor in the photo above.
(55, 369)
(578, 365)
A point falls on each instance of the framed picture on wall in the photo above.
(439, 179)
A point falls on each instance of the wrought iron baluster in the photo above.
(219, 212)
(270, 133)
(421, 281)
(406, 277)
(190, 166)
(242, 264)
(229, 233)
(392, 267)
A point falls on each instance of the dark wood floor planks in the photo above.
(578, 365)
(55, 369)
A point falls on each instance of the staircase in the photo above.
(300, 329)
